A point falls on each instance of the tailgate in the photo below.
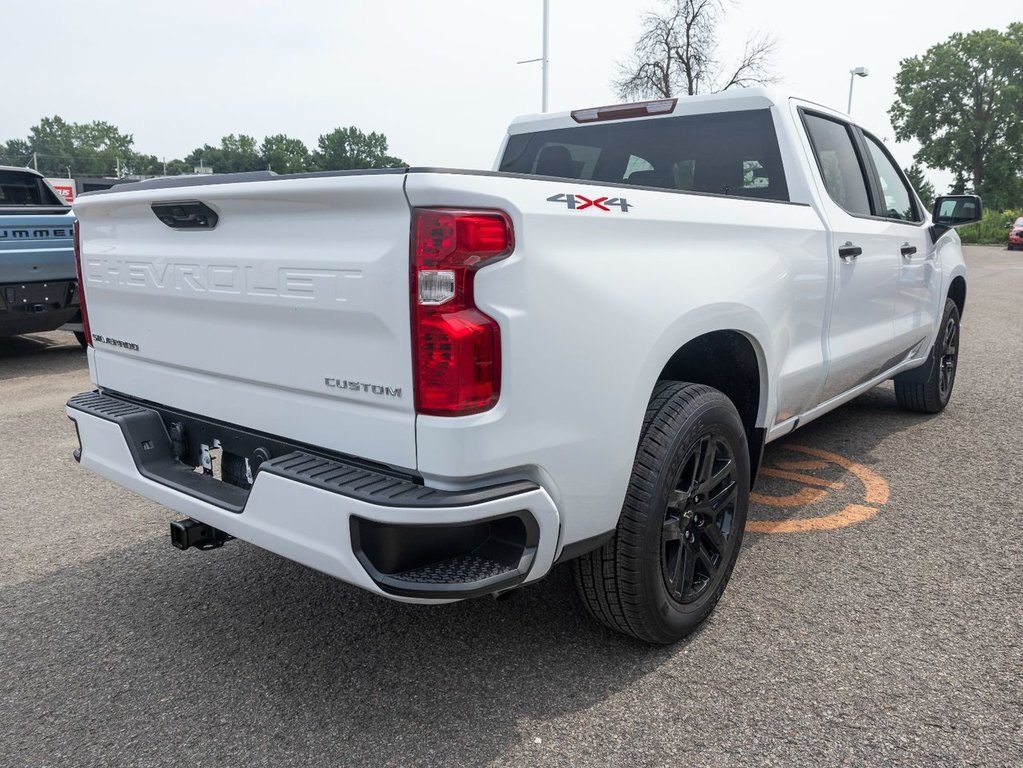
(36, 247)
(290, 316)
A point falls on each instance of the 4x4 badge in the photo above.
(580, 203)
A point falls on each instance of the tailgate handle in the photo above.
(186, 214)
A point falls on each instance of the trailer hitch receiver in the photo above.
(192, 533)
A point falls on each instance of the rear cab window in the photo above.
(725, 153)
(19, 189)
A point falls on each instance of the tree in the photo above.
(175, 168)
(15, 152)
(923, 187)
(59, 148)
(349, 148)
(1003, 180)
(236, 154)
(963, 101)
(676, 53)
(100, 149)
(284, 154)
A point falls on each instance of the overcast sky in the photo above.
(439, 78)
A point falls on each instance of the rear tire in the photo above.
(932, 395)
(681, 526)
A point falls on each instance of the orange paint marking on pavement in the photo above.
(853, 513)
(797, 465)
(801, 478)
(875, 487)
(800, 498)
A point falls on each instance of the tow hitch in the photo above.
(192, 533)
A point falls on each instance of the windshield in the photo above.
(728, 153)
(25, 189)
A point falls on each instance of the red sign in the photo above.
(65, 188)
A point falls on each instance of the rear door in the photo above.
(864, 267)
(280, 305)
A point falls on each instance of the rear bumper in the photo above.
(403, 541)
(36, 307)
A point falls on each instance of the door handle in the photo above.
(907, 250)
(849, 251)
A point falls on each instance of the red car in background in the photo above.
(1016, 234)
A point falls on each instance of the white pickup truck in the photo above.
(437, 384)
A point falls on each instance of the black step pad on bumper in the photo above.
(354, 480)
(447, 560)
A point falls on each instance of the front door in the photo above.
(865, 270)
(918, 305)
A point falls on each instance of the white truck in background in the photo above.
(437, 384)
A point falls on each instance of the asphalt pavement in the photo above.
(873, 617)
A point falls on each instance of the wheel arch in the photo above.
(732, 362)
(957, 292)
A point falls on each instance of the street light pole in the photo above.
(546, 49)
(853, 74)
(545, 59)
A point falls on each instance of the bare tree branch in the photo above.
(675, 54)
(754, 68)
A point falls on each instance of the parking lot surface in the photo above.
(874, 617)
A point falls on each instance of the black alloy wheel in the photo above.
(698, 534)
(681, 526)
(949, 357)
(929, 388)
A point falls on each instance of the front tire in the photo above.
(932, 395)
(681, 526)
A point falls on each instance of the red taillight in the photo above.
(81, 286)
(456, 348)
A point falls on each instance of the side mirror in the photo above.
(957, 210)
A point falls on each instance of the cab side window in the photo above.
(898, 200)
(839, 164)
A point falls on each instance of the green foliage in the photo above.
(284, 154)
(100, 149)
(177, 168)
(963, 101)
(349, 148)
(15, 152)
(991, 229)
(1003, 184)
(236, 154)
(924, 188)
(85, 149)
